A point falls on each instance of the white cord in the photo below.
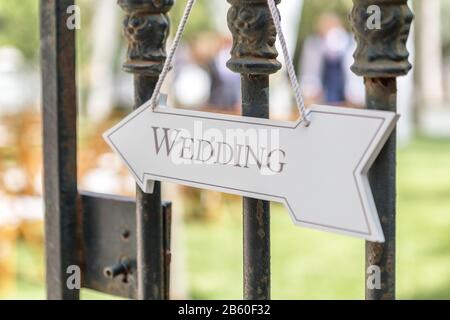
(289, 65)
(168, 64)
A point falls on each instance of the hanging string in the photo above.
(289, 65)
(168, 63)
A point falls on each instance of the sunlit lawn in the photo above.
(312, 265)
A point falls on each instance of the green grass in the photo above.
(308, 264)
(424, 220)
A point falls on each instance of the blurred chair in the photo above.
(8, 239)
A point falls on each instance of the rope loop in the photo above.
(289, 65)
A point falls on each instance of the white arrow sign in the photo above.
(318, 172)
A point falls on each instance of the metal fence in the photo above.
(107, 236)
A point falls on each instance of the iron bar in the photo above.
(382, 56)
(381, 94)
(167, 212)
(256, 213)
(146, 27)
(254, 57)
(149, 221)
(59, 132)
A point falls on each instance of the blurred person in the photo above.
(225, 85)
(202, 78)
(192, 81)
(325, 73)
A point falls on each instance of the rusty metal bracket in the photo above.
(108, 243)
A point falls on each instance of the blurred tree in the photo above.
(19, 25)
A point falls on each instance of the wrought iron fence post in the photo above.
(380, 57)
(60, 149)
(254, 57)
(146, 27)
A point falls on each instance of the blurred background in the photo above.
(207, 235)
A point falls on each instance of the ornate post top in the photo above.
(254, 37)
(149, 6)
(382, 52)
(146, 27)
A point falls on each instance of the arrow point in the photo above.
(149, 186)
(146, 185)
(378, 238)
(327, 217)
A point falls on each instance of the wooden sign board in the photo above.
(318, 172)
